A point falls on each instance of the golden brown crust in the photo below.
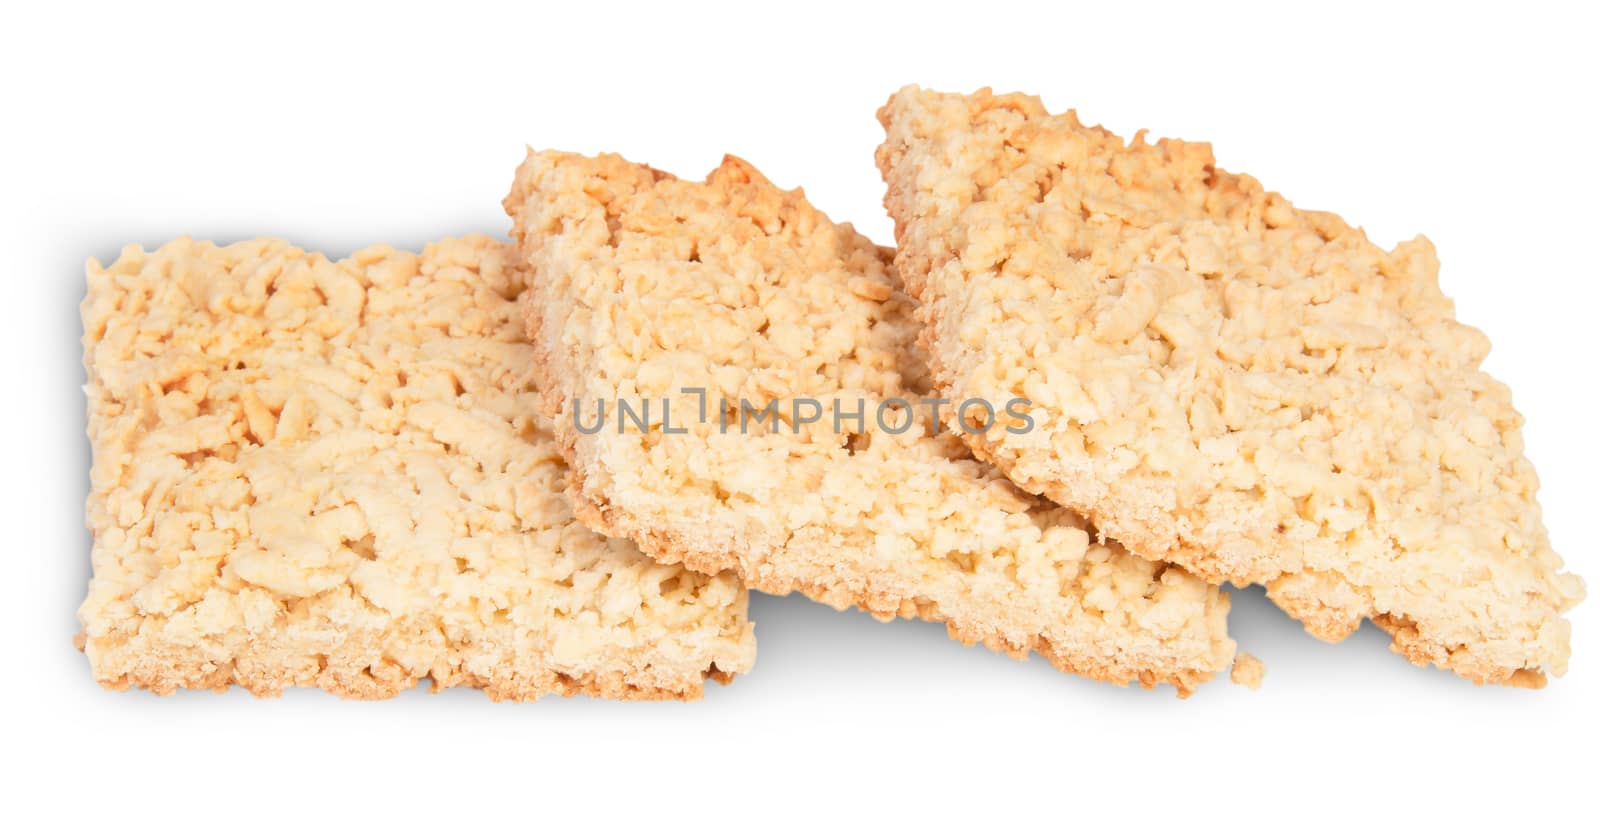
(646, 286)
(1254, 392)
(267, 672)
(328, 474)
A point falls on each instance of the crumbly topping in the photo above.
(1253, 391)
(647, 286)
(328, 473)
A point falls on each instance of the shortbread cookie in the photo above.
(319, 473)
(1254, 392)
(667, 294)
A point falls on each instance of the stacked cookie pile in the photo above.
(1095, 379)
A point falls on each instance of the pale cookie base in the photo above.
(328, 474)
(1254, 392)
(647, 285)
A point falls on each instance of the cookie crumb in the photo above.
(1248, 671)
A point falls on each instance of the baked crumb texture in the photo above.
(1254, 392)
(1248, 671)
(647, 286)
(328, 473)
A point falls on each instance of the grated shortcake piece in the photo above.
(328, 473)
(670, 294)
(1252, 391)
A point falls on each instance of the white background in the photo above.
(339, 128)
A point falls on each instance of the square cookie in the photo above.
(1254, 392)
(766, 348)
(324, 473)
